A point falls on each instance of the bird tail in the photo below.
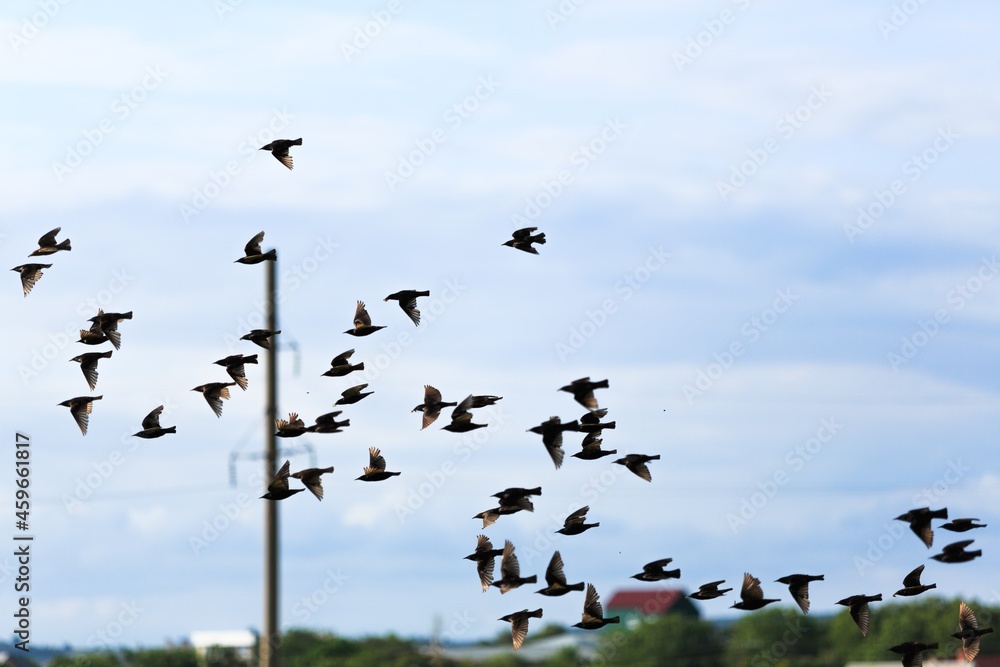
(170, 429)
(63, 245)
(613, 619)
(537, 491)
(654, 457)
(105, 355)
(603, 384)
(533, 579)
(297, 142)
(875, 598)
(575, 587)
(672, 574)
(539, 238)
(608, 425)
(330, 469)
(358, 367)
(940, 514)
(271, 254)
(571, 426)
(251, 359)
(536, 614)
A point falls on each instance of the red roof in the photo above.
(645, 601)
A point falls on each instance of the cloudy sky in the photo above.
(771, 225)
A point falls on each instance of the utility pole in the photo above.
(270, 642)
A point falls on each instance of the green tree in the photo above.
(672, 639)
(776, 637)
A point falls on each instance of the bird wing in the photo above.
(751, 588)
(410, 308)
(280, 481)
(485, 569)
(430, 416)
(518, 629)
(957, 547)
(800, 593)
(361, 318)
(966, 618)
(577, 517)
(376, 461)
(431, 395)
(554, 572)
(913, 578)
(342, 358)
(314, 484)
(253, 245)
(81, 413)
(657, 565)
(640, 469)
(509, 567)
(29, 277)
(89, 368)
(48, 240)
(152, 420)
(860, 615)
(592, 604)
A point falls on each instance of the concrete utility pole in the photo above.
(271, 640)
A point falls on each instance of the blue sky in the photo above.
(770, 225)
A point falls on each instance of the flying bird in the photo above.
(353, 394)
(920, 522)
(654, 571)
(461, 418)
(292, 427)
(310, 477)
(340, 366)
(912, 585)
(592, 449)
(523, 238)
(710, 591)
(375, 471)
(278, 488)
(408, 302)
(574, 523)
(432, 406)
(252, 253)
(47, 244)
(956, 553)
(107, 323)
(88, 364)
(637, 464)
(962, 525)
(260, 337)
(591, 422)
(81, 407)
(484, 556)
(151, 426)
(519, 624)
(912, 652)
(279, 149)
(510, 571)
(593, 612)
(327, 423)
(30, 273)
(798, 586)
(234, 366)
(362, 322)
(214, 393)
(858, 606)
(969, 632)
(514, 493)
(551, 431)
(583, 391)
(752, 595)
(556, 580)
(93, 335)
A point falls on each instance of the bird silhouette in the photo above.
(912, 652)
(278, 488)
(592, 451)
(920, 522)
(353, 394)
(88, 364)
(752, 596)
(519, 624)
(432, 406)
(556, 580)
(311, 478)
(962, 525)
(969, 632)
(798, 586)
(510, 571)
(260, 337)
(956, 553)
(30, 273)
(574, 523)
(408, 302)
(340, 366)
(912, 585)
(214, 392)
(484, 556)
(654, 571)
(47, 244)
(252, 253)
(234, 366)
(279, 149)
(523, 238)
(327, 423)
(292, 427)
(637, 464)
(81, 407)
(551, 431)
(375, 471)
(583, 391)
(593, 612)
(710, 591)
(151, 425)
(362, 322)
(858, 606)
(108, 325)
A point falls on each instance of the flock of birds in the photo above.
(104, 328)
